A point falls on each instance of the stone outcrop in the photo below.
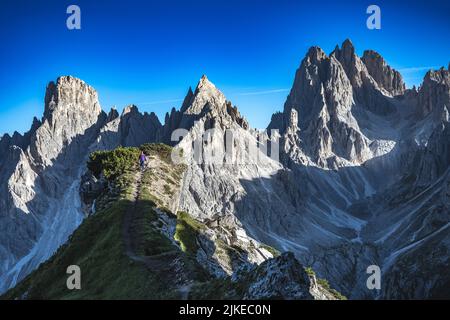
(279, 278)
(387, 78)
(283, 278)
(434, 93)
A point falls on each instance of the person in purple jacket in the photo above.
(142, 159)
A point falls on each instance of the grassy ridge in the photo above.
(106, 273)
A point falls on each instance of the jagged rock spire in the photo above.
(434, 92)
(130, 109)
(205, 101)
(187, 100)
(112, 115)
(386, 77)
(73, 93)
(71, 108)
(205, 93)
(325, 93)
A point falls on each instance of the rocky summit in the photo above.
(353, 172)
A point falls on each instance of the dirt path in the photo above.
(129, 217)
(155, 263)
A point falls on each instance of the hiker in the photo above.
(142, 159)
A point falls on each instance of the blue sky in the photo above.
(150, 52)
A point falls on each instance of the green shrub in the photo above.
(338, 295)
(162, 150)
(113, 163)
(324, 283)
(310, 271)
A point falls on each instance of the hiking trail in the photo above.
(155, 263)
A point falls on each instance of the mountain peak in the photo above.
(346, 53)
(434, 93)
(204, 83)
(385, 76)
(70, 92)
(132, 109)
(205, 93)
(347, 45)
(113, 114)
(316, 54)
(187, 100)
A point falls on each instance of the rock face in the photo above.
(434, 94)
(280, 278)
(47, 168)
(71, 108)
(218, 164)
(366, 90)
(386, 77)
(214, 170)
(130, 129)
(207, 101)
(353, 172)
(329, 94)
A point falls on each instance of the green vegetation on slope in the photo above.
(162, 150)
(113, 163)
(310, 271)
(272, 250)
(186, 233)
(151, 241)
(324, 284)
(106, 272)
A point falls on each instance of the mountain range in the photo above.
(361, 178)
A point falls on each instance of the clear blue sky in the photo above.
(149, 52)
